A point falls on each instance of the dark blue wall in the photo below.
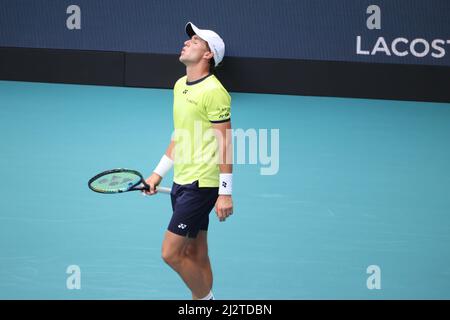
(298, 29)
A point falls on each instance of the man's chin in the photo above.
(182, 60)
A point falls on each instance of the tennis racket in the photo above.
(121, 180)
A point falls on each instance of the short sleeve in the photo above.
(217, 105)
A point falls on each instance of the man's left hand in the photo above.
(224, 207)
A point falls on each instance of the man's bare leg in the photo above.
(189, 258)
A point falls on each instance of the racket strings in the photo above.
(116, 182)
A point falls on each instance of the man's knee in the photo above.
(172, 250)
(175, 250)
(171, 257)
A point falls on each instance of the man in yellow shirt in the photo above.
(200, 152)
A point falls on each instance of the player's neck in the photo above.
(196, 72)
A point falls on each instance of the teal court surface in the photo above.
(360, 183)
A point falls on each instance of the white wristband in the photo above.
(225, 183)
(164, 166)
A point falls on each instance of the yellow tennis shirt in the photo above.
(196, 106)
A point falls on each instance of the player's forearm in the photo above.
(169, 150)
(225, 146)
(166, 162)
(226, 163)
(226, 152)
(226, 168)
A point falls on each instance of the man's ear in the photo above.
(208, 55)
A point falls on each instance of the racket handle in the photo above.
(163, 189)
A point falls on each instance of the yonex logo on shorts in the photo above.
(182, 226)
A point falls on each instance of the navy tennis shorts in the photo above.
(191, 207)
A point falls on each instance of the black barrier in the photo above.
(258, 75)
(62, 66)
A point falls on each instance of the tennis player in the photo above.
(200, 182)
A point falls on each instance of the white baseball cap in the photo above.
(214, 41)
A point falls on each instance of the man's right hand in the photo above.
(152, 181)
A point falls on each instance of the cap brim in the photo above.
(191, 29)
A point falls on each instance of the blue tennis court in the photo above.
(359, 183)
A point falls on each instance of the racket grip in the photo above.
(163, 189)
